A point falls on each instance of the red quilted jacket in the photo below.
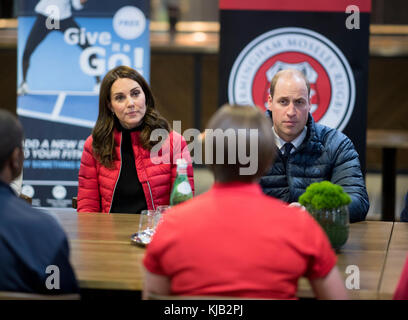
(96, 183)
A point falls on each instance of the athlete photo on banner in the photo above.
(65, 47)
(314, 37)
(54, 15)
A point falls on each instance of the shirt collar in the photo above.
(296, 142)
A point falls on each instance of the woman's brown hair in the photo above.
(103, 140)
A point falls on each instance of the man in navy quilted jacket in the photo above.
(309, 152)
(34, 252)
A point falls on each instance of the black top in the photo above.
(128, 195)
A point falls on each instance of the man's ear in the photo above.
(270, 102)
(309, 107)
(16, 162)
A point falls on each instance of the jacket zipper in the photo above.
(121, 158)
(151, 195)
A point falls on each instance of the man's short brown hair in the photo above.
(284, 72)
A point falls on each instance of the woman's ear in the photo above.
(110, 107)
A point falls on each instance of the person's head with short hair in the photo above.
(11, 149)
(242, 137)
(289, 103)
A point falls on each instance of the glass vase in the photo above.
(335, 223)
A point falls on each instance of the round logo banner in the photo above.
(332, 92)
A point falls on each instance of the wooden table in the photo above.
(389, 141)
(103, 257)
(101, 252)
(366, 248)
(396, 256)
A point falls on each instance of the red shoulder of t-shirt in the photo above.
(402, 289)
(322, 256)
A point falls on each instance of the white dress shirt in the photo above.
(296, 142)
(64, 7)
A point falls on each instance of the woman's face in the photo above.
(128, 102)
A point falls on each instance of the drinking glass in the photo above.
(146, 225)
(159, 214)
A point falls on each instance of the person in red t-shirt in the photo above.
(402, 290)
(234, 240)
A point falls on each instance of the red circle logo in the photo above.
(320, 89)
(332, 84)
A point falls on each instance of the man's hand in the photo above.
(83, 1)
(297, 205)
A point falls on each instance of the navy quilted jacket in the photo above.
(325, 154)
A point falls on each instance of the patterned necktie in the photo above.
(287, 147)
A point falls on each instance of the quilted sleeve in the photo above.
(89, 198)
(347, 173)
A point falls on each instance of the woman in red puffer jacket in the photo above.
(124, 168)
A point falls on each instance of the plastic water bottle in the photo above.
(181, 189)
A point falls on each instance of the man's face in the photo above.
(289, 106)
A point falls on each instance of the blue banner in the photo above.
(65, 47)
